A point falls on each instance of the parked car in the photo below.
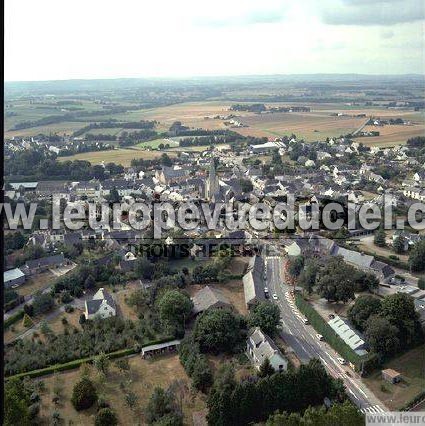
(342, 361)
(306, 321)
(331, 316)
(319, 336)
(275, 296)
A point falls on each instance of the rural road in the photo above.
(302, 339)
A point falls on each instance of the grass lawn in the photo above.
(155, 143)
(36, 283)
(411, 365)
(143, 377)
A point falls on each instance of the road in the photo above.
(302, 339)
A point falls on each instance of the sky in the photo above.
(71, 39)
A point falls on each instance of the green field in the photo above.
(411, 365)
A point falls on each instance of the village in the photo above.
(267, 289)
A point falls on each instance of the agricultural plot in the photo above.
(119, 156)
(392, 135)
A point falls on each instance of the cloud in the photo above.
(375, 12)
(387, 34)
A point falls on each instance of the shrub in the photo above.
(27, 321)
(105, 417)
(69, 309)
(84, 394)
(33, 410)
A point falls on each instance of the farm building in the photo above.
(391, 375)
(350, 336)
(160, 348)
(13, 278)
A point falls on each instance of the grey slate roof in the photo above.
(45, 261)
(253, 282)
(208, 297)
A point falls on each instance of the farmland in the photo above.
(119, 156)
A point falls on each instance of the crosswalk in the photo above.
(372, 409)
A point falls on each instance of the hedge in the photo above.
(13, 318)
(77, 362)
(322, 327)
(415, 400)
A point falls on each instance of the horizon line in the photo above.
(220, 76)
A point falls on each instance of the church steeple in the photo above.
(212, 185)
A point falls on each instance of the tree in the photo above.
(266, 369)
(27, 321)
(161, 403)
(339, 414)
(144, 268)
(217, 331)
(106, 417)
(363, 308)
(89, 282)
(246, 185)
(365, 281)
(421, 283)
(307, 277)
(174, 308)
(84, 394)
(202, 377)
(296, 265)
(381, 336)
(16, 401)
(417, 257)
(399, 310)
(336, 282)
(398, 244)
(101, 363)
(379, 237)
(42, 303)
(266, 316)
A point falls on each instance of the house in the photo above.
(210, 298)
(260, 347)
(391, 375)
(349, 335)
(13, 278)
(253, 282)
(101, 306)
(36, 266)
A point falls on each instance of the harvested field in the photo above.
(119, 156)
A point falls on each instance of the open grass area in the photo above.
(155, 143)
(411, 365)
(36, 283)
(143, 377)
(119, 156)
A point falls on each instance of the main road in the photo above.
(302, 339)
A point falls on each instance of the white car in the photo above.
(306, 321)
(275, 296)
(319, 336)
(342, 361)
(266, 290)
